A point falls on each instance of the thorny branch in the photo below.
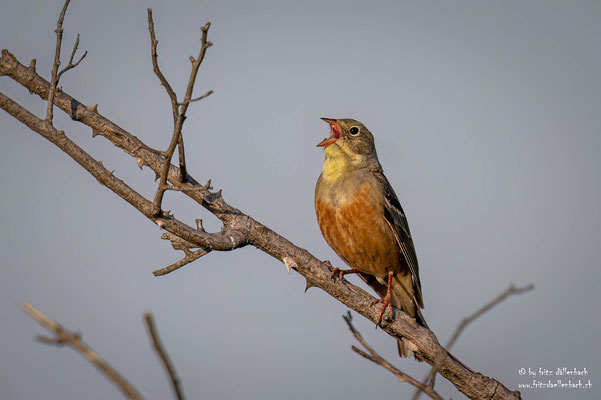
(238, 229)
(158, 347)
(511, 290)
(73, 340)
(57, 62)
(376, 358)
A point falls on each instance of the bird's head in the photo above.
(350, 136)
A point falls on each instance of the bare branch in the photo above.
(376, 358)
(229, 238)
(155, 65)
(159, 348)
(57, 62)
(178, 110)
(511, 290)
(71, 65)
(188, 98)
(65, 337)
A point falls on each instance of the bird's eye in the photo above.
(354, 130)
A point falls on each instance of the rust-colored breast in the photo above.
(358, 232)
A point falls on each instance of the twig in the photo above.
(190, 257)
(178, 109)
(57, 62)
(158, 347)
(207, 94)
(376, 358)
(188, 97)
(155, 66)
(511, 290)
(180, 244)
(71, 65)
(74, 341)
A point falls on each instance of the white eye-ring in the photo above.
(354, 131)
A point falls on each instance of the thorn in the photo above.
(111, 172)
(32, 64)
(209, 44)
(290, 263)
(166, 213)
(258, 227)
(206, 27)
(219, 193)
(156, 176)
(140, 162)
(308, 286)
(192, 60)
(101, 164)
(199, 225)
(95, 133)
(208, 185)
(93, 108)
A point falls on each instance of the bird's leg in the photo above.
(385, 301)
(339, 271)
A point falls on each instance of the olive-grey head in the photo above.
(350, 139)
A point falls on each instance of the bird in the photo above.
(362, 220)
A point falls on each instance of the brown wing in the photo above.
(395, 216)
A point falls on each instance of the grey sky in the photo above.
(486, 118)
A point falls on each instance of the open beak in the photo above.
(335, 132)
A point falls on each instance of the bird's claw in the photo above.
(340, 272)
(385, 303)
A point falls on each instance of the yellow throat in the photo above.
(336, 164)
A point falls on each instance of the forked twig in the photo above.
(178, 109)
(72, 65)
(64, 337)
(56, 75)
(57, 62)
(511, 290)
(376, 358)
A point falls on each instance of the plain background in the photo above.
(486, 117)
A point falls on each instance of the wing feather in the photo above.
(395, 216)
